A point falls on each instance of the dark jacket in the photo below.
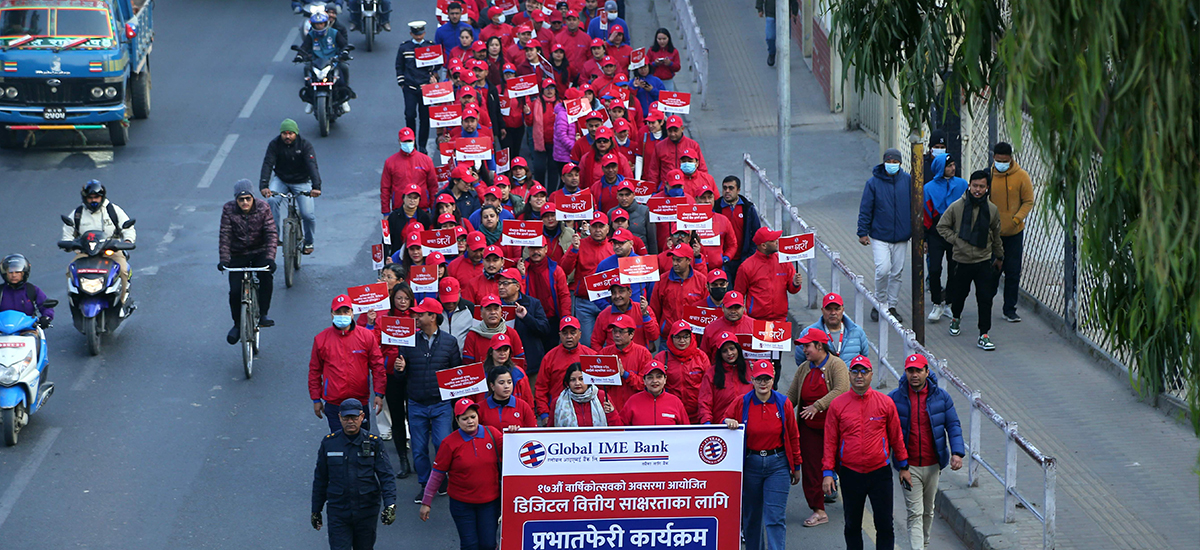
(408, 74)
(251, 234)
(885, 213)
(942, 417)
(295, 163)
(346, 479)
(422, 363)
(532, 330)
(750, 224)
(16, 298)
(467, 204)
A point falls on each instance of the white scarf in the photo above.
(564, 409)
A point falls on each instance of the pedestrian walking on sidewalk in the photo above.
(928, 420)
(820, 378)
(1011, 192)
(939, 193)
(766, 9)
(972, 226)
(885, 224)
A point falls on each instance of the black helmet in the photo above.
(15, 262)
(93, 187)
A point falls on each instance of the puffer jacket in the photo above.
(564, 134)
(1012, 193)
(853, 341)
(340, 363)
(942, 417)
(885, 212)
(250, 234)
(422, 363)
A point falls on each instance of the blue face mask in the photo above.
(1002, 166)
(407, 147)
(688, 168)
(342, 321)
(891, 168)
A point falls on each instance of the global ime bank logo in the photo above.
(532, 454)
(713, 450)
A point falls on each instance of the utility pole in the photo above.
(918, 235)
(783, 64)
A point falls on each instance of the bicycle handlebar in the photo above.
(290, 195)
(243, 269)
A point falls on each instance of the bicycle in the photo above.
(249, 315)
(291, 237)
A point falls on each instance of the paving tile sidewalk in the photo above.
(1125, 476)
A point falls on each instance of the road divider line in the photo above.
(217, 161)
(257, 95)
(287, 45)
(9, 499)
(89, 372)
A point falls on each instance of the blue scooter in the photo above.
(23, 368)
(94, 285)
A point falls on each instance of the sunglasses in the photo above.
(245, 199)
(860, 372)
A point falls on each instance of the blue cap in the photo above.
(351, 407)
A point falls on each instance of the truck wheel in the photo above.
(118, 132)
(139, 93)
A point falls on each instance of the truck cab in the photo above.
(73, 65)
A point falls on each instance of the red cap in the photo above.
(470, 112)
(654, 365)
(463, 172)
(427, 305)
(413, 239)
(502, 180)
(549, 208)
(682, 250)
(674, 122)
(717, 275)
(811, 335)
(622, 321)
(572, 13)
(861, 361)
(678, 327)
(653, 115)
(501, 340)
(413, 226)
(490, 190)
(621, 125)
(459, 231)
(341, 300)
(675, 177)
(705, 188)
(549, 83)
(494, 12)
(604, 132)
(620, 78)
(558, 47)
(476, 240)
(596, 42)
(569, 321)
(534, 44)
(509, 68)
(626, 184)
(470, 78)
(520, 161)
(463, 405)
(761, 367)
(622, 235)
(511, 273)
(478, 46)
(446, 218)
(489, 300)
(687, 152)
(594, 115)
(610, 158)
(445, 198)
(406, 134)
(449, 291)
(608, 60)
(617, 28)
(764, 234)
(618, 213)
(493, 249)
(524, 28)
(435, 258)
(568, 167)
(556, 16)
(831, 298)
(599, 217)
(537, 188)
(733, 298)
(916, 360)
(411, 189)
(724, 338)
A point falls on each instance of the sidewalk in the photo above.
(1125, 474)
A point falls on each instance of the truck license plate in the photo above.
(54, 113)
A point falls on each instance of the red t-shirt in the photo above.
(514, 413)
(921, 451)
(472, 463)
(764, 427)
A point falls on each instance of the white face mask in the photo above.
(500, 20)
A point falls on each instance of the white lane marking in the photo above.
(9, 499)
(287, 45)
(148, 270)
(257, 95)
(89, 372)
(168, 238)
(217, 161)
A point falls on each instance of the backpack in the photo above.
(112, 215)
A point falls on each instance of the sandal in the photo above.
(815, 520)
(308, 250)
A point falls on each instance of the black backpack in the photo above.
(112, 215)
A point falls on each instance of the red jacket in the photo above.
(645, 409)
(790, 433)
(578, 45)
(400, 170)
(646, 333)
(663, 72)
(860, 430)
(666, 154)
(550, 378)
(708, 344)
(715, 401)
(591, 173)
(462, 269)
(521, 390)
(684, 374)
(503, 30)
(475, 346)
(672, 294)
(766, 283)
(634, 359)
(583, 261)
(516, 413)
(547, 282)
(340, 363)
(693, 183)
(719, 243)
(475, 288)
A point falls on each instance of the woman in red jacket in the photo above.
(499, 356)
(581, 404)
(685, 367)
(726, 381)
(664, 58)
(539, 117)
(470, 458)
(772, 458)
(501, 409)
(654, 406)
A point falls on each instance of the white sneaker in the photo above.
(308, 108)
(346, 107)
(386, 436)
(936, 312)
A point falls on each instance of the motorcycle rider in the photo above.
(247, 239)
(332, 10)
(18, 294)
(384, 14)
(410, 78)
(294, 163)
(325, 42)
(99, 214)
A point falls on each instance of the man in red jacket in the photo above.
(546, 281)
(407, 166)
(654, 406)
(633, 358)
(668, 151)
(487, 281)
(576, 41)
(733, 320)
(720, 243)
(582, 259)
(343, 357)
(861, 426)
(470, 265)
(554, 367)
(646, 328)
(765, 281)
(682, 287)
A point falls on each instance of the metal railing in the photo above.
(693, 40)
(777, 212)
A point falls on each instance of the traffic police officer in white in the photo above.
(353, 472)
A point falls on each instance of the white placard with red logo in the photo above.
(456, 382)
(577, 207)
(600, 369)
(508, 313)
(372, 297)
(708, 238)
(603, 20)
(662, 209)
(387, 231)
(638, 269)
(771, 336)
(522, 86)
(429, 56)
(747, 343)
(439, 240)
(694, 217)
(597, 284)
(503, 161)
(377, 256)
(576, 108)
(521, 233)
(505, 105)
(509, 7)
(474, 148)
(797, 247)
(637, 58)
(423, 278)
(700, 317)
(446, 150)
(642, 189)
(675, 102)
(397, 331)
(445, 116)
(434, 94)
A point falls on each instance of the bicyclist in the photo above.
(18, 294)
(99, 214)
(290, 166)
(248, 239)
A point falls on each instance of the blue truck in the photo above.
(73, 65)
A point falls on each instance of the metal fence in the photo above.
(777, 212)
(689, 30)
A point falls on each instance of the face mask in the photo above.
(688, 168)
(407, 146)
(891, 168)
(612, 15)
(519, 178)
(938, 152)
(342, 321)
(93, 206)
(1002, 166)
(500, 20)
(622, 142)
(717, 294)
(675, 192)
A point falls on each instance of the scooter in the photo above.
(23, 371)
(370, 24)
(322, 89)
(94, 285)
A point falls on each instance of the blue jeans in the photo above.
(308, 216)
(765, 485)
(669, 85)
(476, 524)
(770, 35)
(335, 424)
(426, 422)
(587, 312)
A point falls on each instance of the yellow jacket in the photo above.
(1012, 193)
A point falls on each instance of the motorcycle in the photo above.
(370, 25)
(322, 88)
(94, 285)
(23, 371)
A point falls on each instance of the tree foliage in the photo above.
(1110, 86)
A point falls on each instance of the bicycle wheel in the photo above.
(289, 250)
(298, 250)
(249, 329)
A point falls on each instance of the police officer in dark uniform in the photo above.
(410, 78)
(353, 472)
